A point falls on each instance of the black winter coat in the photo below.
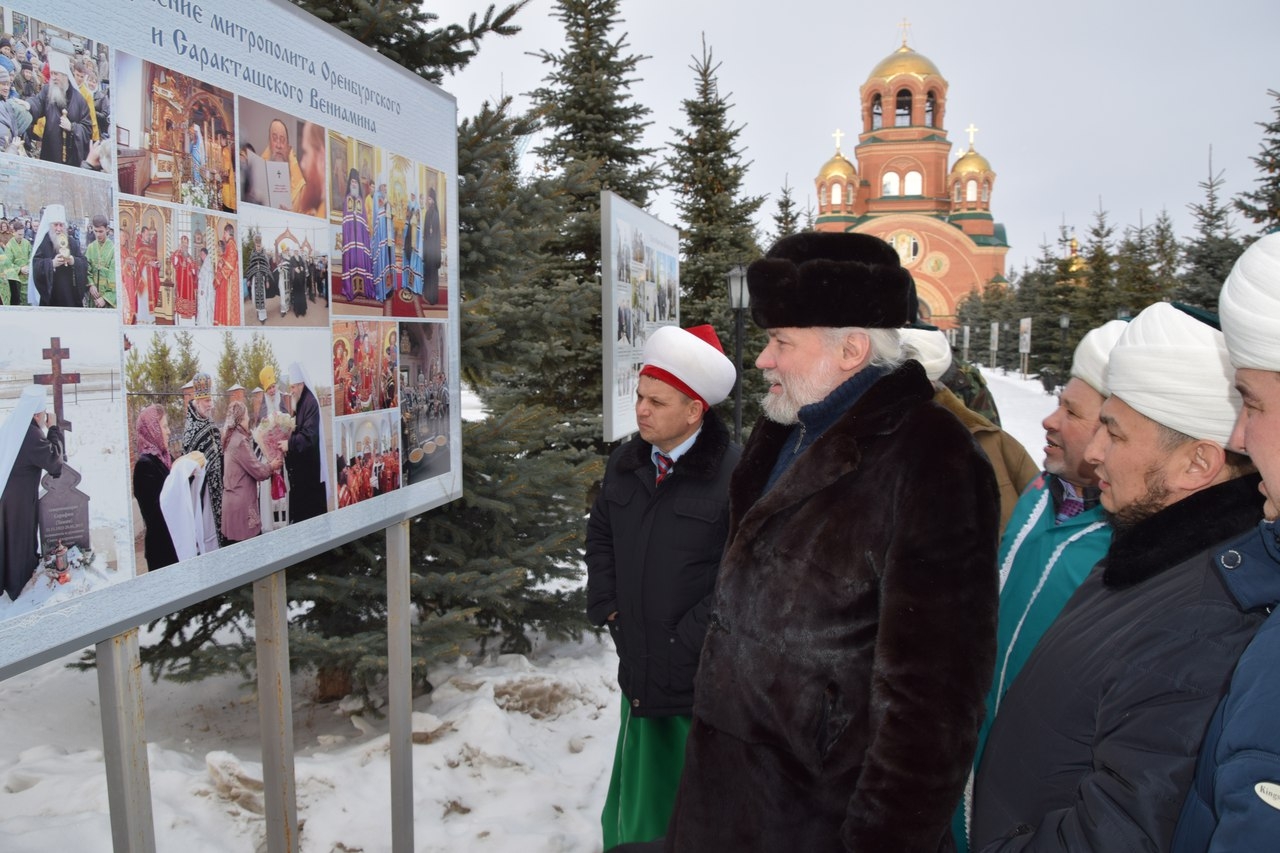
(652, 555)
(1096, 740)
(842, 679)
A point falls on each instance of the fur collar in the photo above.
(701, 461)
(879, 410)
(1182, 530)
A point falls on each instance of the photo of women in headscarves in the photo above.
(64, 527)
(229, 455)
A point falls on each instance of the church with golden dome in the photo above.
(899, 188)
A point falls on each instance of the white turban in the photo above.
(691, 361)
(1250, 306)
(1174, 369)
(930, 348)
(1089, 364)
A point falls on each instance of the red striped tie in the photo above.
(664, 466)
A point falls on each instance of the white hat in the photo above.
(1250, 306)
(59, 63)
(691, 361)
(931, 348)
(1174, 369)
(1089, 363)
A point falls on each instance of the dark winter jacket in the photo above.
(1234, 803)
(1095, 742)
(652, 555)
(149, 474)
(840, 687)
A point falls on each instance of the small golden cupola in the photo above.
(837, 182)
(970, 180)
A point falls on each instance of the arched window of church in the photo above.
(986, 191)
(877, 113)
(913, 184)
(957, 193)
(930, 109)
(837, 194)
(971, 190)
(848, 196)
(822, 196)
(902, 109)
(890, 184)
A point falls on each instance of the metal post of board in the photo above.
(275, 713)
(124, 745)
(400, 687)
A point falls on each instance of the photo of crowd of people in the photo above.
(55, 102)
(364, 366)
(57, 237)
(424, 400)
(175, 136)
(286, 268)
(178, 266)
(368, 456)
(389, 227)
(213, 462)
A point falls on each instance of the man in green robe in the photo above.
(101, 254)
(1056, 535)
(16, 266)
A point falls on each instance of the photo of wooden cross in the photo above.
(55, 353)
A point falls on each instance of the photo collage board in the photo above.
(226, 290)
(641, 263)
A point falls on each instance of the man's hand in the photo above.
(64, 122)
(612, 616)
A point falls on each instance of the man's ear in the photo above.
(1201, 464)
(855, 351)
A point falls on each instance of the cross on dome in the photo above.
(972, 131)
(905, 26)
(838, 135)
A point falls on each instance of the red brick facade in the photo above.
(901, 190)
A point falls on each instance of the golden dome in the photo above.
(838, 165)
(904, 60)
(971, 161)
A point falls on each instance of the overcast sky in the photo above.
(1112, 103)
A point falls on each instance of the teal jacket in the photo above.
(1041, 564)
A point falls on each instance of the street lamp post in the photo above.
(739, 299)
(1064, 323)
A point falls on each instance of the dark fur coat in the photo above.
(841, 683)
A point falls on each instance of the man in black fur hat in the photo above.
(841, 683)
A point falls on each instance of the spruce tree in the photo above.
(787, 217)
(717, 220)
(1166, 255)
(1213, 250)
(594, 130)
(707, 172)
(1262, 205)
(1100, 301)
(404, 33)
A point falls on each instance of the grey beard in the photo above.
(58, 97)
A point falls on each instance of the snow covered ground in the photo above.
(511, 754)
